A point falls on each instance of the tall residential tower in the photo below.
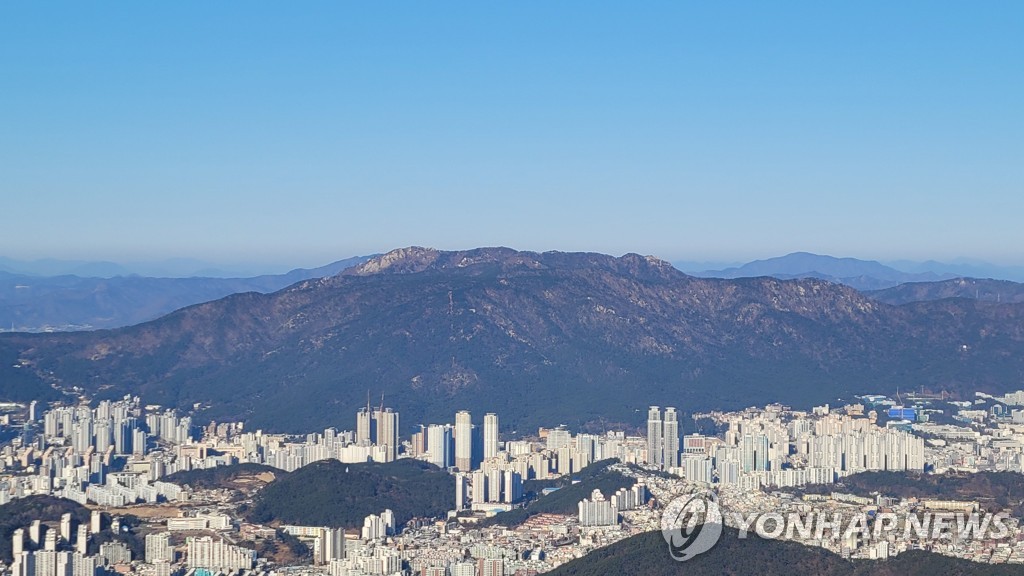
(663, 438)
(655, 456)
(490, 435)
(463, 441)
(670, 440)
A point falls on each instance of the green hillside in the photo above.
(647, 554)
(566, 499)
(20, 513)
(330, 493)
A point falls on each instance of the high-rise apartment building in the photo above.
(463, 441)
(670, 439)
(364, 426)
(82, 540)
(378, 427)
(329, 545)
(387, 432)
(214, 555)
(65, 526)
(158, 548)
(663, 438)
(490, 435)
(655, 450)
(461, 491)
(490, 567)
(439, 445)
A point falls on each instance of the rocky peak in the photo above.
(398, 261)
(417, 259)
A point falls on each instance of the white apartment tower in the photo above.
(387, 432)
(158, 548)
(329, 545)
(65, 526)
(35, 532)
(439, 439)
(82, 540)
(378, 427)
(461, 491)
(663, 438)
(463, 441)
(364, 430)
(670, 439)
(214, 555)
(655, 450)
(490, 435)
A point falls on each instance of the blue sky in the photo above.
(307, 132)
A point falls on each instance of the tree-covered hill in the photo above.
(647, 554)
(223, 476)
(566, 499)
(330, 493)
(993, 490)
(21, 512)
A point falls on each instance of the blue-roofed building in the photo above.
(903, 413)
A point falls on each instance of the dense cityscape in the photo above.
(115, 457)
(511, 288)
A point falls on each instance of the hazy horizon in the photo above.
(186, 266)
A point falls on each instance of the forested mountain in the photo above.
(541, 339)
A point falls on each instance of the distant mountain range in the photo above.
(968, 269)
(102, 297)
(541, 339)
(34, 303)
(859, 274)
(169, 268)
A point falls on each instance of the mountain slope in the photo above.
(31, 303)
(974, 288)
(541, 339)
(648, 554)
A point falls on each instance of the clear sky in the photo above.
(303, 132)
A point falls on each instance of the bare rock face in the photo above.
(400, 261)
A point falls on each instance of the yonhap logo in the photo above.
(691, 524)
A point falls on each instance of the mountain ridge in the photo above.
(542, 338)
(987, 290)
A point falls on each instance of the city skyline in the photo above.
(752, 462)
(510, 289)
